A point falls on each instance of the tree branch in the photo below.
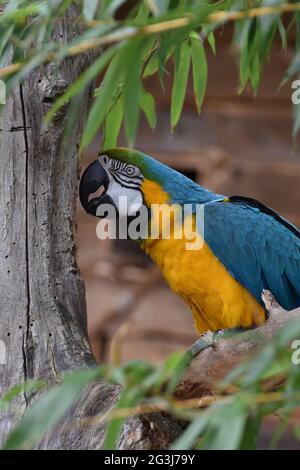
(214, 363)
(157, 28)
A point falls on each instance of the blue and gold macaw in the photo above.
(247, 246)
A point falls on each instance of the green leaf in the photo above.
(85, 78)
(266, 41)
(175, 367)
(255, 72)
(251, 432)
(236, 414)
(167, 45)
(267, 21)
(49, 409)
(131, 373)
(212, 42)
(282, 32)
(152, 65)
(187, 439)
(29, 386)
(254, 69)
(147, 105)
(105, 98)
(199, 71)
(159, 58)
(293, 68)
(158, 7)
(76, 103)
(163, 6)
(259, 366)
(19, 14)
(89, 9)
(128, 399)
(182, 66)
(244, 52)
(113, 123)
(279, 430)
(132, 88)
(4, 38)
(297, 35)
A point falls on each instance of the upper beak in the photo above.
(93, 178)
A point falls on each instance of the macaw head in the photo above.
(122, 172)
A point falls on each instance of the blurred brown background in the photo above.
(239, 145)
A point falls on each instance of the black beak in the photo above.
(93, 178)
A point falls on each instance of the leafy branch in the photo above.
(154, 33)
(242, 397)
(125, 33)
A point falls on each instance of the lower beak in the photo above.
(93, 178)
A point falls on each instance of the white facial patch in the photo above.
(128, 200)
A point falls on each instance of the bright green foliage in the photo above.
(113, 122)
(153, 35)
(199, 68)
(182, 66)
(147, 104)
(46, 412)
(145, 386)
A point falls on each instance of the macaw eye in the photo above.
(130, 170)
(105, 159)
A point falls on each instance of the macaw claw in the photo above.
(209, 339)
(205, 341)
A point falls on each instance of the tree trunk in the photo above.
(43, 314)
(43, 311)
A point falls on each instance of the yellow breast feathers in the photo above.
(216, 299)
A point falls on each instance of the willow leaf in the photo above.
(147, 104)
(113, 123)
(105, 98)
(199, 71)
(182, 66)
(132, 88)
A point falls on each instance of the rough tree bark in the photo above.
(43, 312)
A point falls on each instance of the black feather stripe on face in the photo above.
(126, 182)
(125, 174)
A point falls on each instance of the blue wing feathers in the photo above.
(258, 247)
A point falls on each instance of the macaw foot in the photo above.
(209, 339)
(205, 341)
